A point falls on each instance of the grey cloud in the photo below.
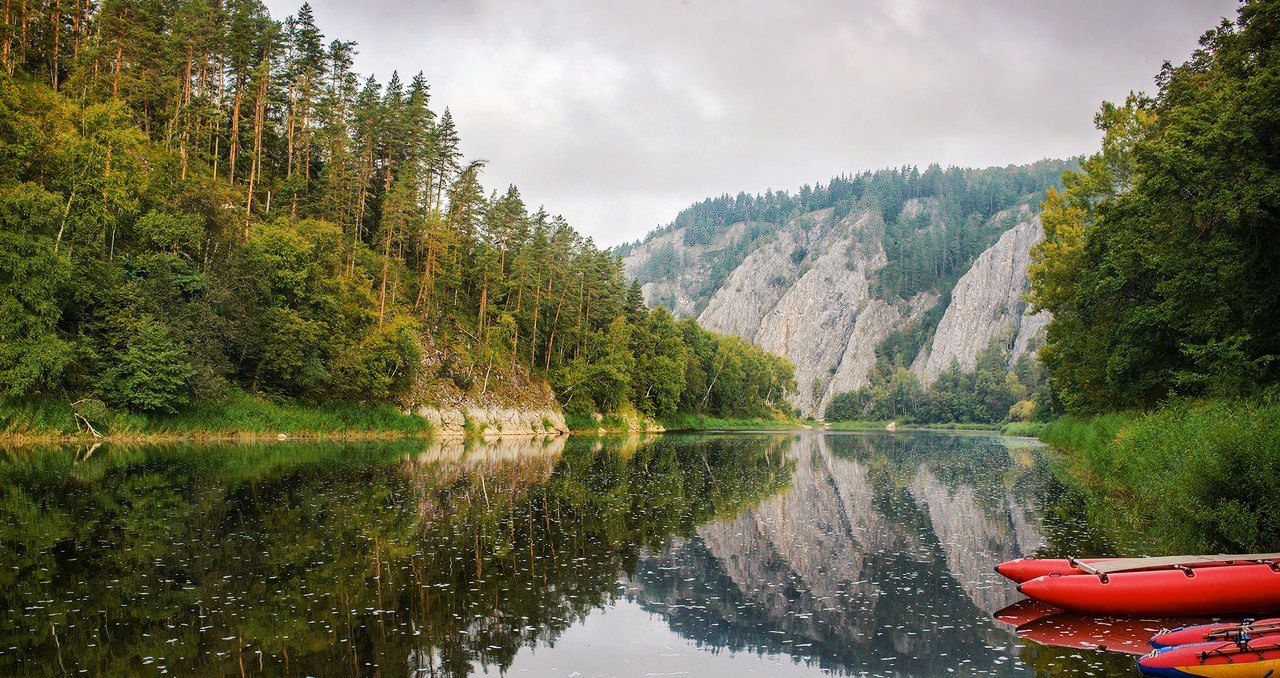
(617, 114)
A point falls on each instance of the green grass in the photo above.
(1022, 428)
(856, 425)
(236, 413)
(580, 422)
(902, 426)
(36, 416)
(1192, 476)
(683, 421)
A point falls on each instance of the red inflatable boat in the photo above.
(1166, 587)
(1203, 633)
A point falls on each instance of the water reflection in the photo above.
(793, 553)
(877, 561)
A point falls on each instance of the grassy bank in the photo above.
(1193, 476)
(631, 420)
(1022, 428)
(880, 426)
(237, 414)
(698, 422)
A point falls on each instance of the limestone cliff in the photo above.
(495, 399)
(808, 291)
(806, 294)
(988, 303)
(679, 272)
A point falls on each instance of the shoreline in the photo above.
(27, 439)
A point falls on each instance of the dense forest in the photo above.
(991, 393)
(1161, 253)
(196, 198)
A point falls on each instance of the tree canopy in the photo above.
(196, 196)
(1160, 257)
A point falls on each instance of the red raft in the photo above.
(1166, 587)
(1203, 633)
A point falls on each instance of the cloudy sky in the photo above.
(619, 113)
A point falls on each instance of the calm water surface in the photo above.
(773, 554)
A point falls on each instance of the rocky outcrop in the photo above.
(808, 292)
(756, 285)
(492, 420)
(626, 421)
(876, 322)
(988, 303)
(681, 268)
(807, 295)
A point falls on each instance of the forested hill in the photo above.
(730, 227)
(197, 198)
(853, 280)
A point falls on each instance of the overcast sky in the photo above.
(618, 114)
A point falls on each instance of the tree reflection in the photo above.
(333, 559)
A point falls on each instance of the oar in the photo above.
(1243, 628)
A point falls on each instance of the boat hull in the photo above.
(1214, 660)
(1240, 589)
(1199, 633)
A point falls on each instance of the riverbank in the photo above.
(1194, 476)
(246, 417)
(900, 426)
(237, 416)
(631, 421)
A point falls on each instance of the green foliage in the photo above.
(900, 348)
(40, 415)
(149, 373)
(1210, 467)
(682, 421)
(1029, 429)
(232, 413)
(989, 394)
(1159, 260)
(33, 356)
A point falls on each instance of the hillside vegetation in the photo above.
(919, 257)
(197, 200)
(1159, 266)
(1192, 477)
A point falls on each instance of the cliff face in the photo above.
(808, 292)
(988, 304)
(678, 272)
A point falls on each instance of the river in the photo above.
(771, 554)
